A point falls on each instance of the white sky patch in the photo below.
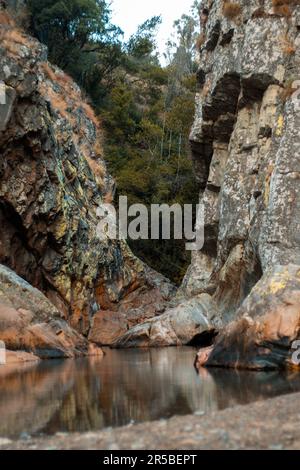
(128, 14)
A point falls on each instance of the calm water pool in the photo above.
(124, 387)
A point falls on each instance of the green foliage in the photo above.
(142, 44)
(80, 38)
(146, 109)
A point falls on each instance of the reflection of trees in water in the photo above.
(29, 396)
(89, 394)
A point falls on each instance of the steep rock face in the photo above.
(245, 143)
(52, 180)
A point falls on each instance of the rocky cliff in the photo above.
(52, 180)
(245, 142)
(244, 283)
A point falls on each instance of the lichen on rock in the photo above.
(53, 178)
(245, 144)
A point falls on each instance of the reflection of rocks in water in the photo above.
(80, 410)
(89, 394)
(155, 384)
(242, 387)
(30, 395)
(131, 386)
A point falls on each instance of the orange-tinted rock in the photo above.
(107, 327)
(29, 322)
(267, 326)
(20, 357)
(202, 356)
(95, 351)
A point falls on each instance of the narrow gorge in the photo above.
(66, 293)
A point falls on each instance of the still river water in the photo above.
(122, 388)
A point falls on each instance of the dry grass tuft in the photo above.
(70, 97)
(64, 79)
(6, 19)
(280, 3)
(98, 147)
(16, 36)
(59, 104)
(231, 10)
(97, 168)
(109, 197)
(288, 91)
(283, 7)
(200, 41)
(90, 114)
(283, 10)
(93, 155)
(12, 39)
(288, 47)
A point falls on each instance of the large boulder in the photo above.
(29, 322)
(107, 327)
(267, 326)
(141, 305)
(176, 327)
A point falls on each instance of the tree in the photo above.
(79, 36)
(142, 44)
(146, 109)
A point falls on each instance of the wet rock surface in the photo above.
(271, 424)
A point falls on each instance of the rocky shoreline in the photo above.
(270, 424)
